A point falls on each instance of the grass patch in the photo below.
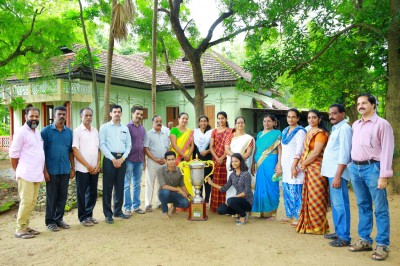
(6, 206)
(4, 185)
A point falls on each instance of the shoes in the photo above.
(139, 210)
(122, 216)
(63, 225)
(87, 222)
(380, 253)
(338, 243)
(93, 220)
(149, 208)
(128, 213)
(238, 222)
(24, 235)
(333, 236)
(53, 227)
(32, 231)
(109, 220)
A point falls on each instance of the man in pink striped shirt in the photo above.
(371, 166)
(27, 160)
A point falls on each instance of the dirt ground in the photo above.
(148, 240)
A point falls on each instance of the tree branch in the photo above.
(331, 41)
(174, 80)
(18, 51)
(187, 24)
(166, 11)
(205, 42)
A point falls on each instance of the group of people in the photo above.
(315, 168)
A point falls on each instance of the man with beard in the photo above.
(156, 145)
(372, 155)
(27, 160)
(134, 164)
(87, 165)
(115, 144)
(57, 143)
(334, 167)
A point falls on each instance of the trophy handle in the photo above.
(208, 164)
(182, 165)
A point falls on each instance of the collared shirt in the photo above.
(27, 146)
(373, 140)
(87, 142)
(157, 142)
(242, 183)
(114, 138)
(173, 179)
(138, 135)
(57, 147)
(337, 150)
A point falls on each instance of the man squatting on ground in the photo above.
(172, 188)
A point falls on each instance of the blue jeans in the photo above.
(134, 173)
(340, 209)
(365, 184)
(167, 196)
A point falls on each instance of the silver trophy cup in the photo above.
(197, 177)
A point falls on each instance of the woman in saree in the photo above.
(266, 163)
(202, 138)
(312, 219)
(292, 178)
(182, 144)
(239, 142)
(217, 148)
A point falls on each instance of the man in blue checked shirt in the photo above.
(334, 167)
(115, 144)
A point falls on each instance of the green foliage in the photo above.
(40, 41)
(6, 206)
(17, 103)
(82, 58)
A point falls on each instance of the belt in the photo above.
(118, 154)
(365, 162)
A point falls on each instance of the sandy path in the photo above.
(149, 240)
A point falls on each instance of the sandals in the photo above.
(271, 218)
(287, 220)
(338, 243)
(380, 253)
(32, 231)
(361, 245)
(24, 235)
(294, 224)
(63, 225)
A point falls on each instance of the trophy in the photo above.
(197, 206)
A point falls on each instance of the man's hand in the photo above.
(46, 177)
(382, 182)
(72, 174)
(160, 161)
(336, 182)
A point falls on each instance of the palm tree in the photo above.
(121, 15)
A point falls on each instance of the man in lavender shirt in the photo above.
(27, 160)
(134, 163)
(371, 166)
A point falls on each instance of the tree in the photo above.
(121, 15)
(353, 42)
(31, 32)
(176, 28)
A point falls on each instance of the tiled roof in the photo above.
(132, 68)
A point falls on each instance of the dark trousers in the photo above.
(167, 196)
(113, 178)
(86, 194)
(56, 197)
(236, 206)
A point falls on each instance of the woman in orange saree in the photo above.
(312, 219)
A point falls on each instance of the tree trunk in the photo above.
(154, 59)
(107, 81)
(96, 95)
(393, 93)
(198, 87)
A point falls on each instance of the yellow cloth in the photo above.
(183, 143)
(28, 193)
